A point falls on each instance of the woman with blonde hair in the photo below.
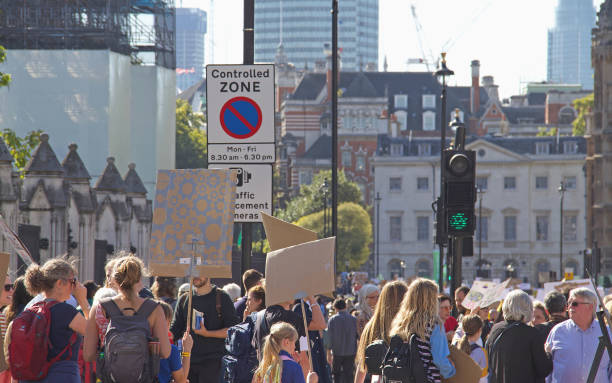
(419, 315)
(277, 365)
(379, 326)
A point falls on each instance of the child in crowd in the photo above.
(472, 326)
(175, 367)
(277, 365)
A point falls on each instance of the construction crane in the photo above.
(427, 58)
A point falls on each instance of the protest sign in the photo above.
(496, 293)
(193, 217)
(477, 292)
(562, 286)
(283, 234)
(468, 371)
(299, 271)
(15, 242)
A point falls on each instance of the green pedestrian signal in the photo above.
(458, 221)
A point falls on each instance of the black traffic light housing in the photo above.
(460, 191)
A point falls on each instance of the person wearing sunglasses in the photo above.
(6, 296)
(573, 343)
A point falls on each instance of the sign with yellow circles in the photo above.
(193, 209)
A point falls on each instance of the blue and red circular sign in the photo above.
(240, 117)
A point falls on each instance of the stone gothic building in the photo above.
(599, 142)
(55, 210)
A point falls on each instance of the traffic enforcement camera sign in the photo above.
(240, 113)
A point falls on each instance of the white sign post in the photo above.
(240, 113)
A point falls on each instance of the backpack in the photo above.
(125, 357)
(30, 344)
(240, 362)
(374, 355)
(402, 363)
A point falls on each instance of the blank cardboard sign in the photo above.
(283, 234)
(299, 271)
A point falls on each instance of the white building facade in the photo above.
(520, 215)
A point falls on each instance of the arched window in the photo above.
(423, 268)
(572, 264)
(483, 268)
(395, 269)
(511, 268)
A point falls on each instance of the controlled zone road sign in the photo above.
(240, 117)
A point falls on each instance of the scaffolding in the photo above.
(143, 29)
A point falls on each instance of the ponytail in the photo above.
(270, 360)
(470, 324)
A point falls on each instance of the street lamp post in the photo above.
(403, 266)
(443, 72)
(562, 188)
(480, 194)
(377, 199)
(325, 189)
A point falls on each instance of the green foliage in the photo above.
(354, 233)
(310, 199)
(582, 106)
(21, 148)
(543, 132)
(5, 78)
(190, 138)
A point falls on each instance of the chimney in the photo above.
(328, 77)
(475, 90)
(492, 90)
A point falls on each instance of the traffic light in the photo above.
(459, 191)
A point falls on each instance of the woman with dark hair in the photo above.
(20, 298)
(256, 300)
(164, 288)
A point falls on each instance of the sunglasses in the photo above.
(72, 281)
(575, 304)
(8, 287)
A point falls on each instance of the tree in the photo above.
(190, 138)
(354, 233)
(583, 106)
(5, 78)
(311, 199)
(543, 132)
(21, 148)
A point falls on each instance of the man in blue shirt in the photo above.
(573, 343)
(342, 329)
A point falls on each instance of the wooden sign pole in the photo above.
(190, 310)
(307, 336)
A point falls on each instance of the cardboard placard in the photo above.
(15, 242)
(299, 271)
(193, 205)
(477, 292)
(468, 371)
(283, 234)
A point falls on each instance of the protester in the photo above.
(91, 287)
(250, 278)
(572, 343)
(277, 364)
(419, 315)
(233, 290)
(316, 323)
(556, 305)
(280, 312)
(516, 350)
(540, 315)
(175, 368)
(256, 300)
(127, 274)
(342, 331)
(368, 296)
(164, 289)
(379, 326)
(472, 327)
(18, 301)
(182, 290)
(6, 297)
(460, 294)
(57, 282)
(450, 323)
(214, 313)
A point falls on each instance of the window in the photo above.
(400, 101)
(429, 121)
(542, 228)
(423, 269)
(485, 228)
(397, 150)
(570, 147)
(422, 183)
(481, 183)
(509, 183)
(424, 149)
(570, 223)
(541, 182)
(347, 158)
(395, 184)
(569, 182)
(510, 228)
(402, 120)
(305, 177)
(395, 228)
(542, 148)
(422, 228)
(429, 101)
(360, 166)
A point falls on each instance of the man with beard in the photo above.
(217, 311)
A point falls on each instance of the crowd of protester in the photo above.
(235, 337)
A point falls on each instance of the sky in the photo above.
(508, 37)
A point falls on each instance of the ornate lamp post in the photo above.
(562, 188)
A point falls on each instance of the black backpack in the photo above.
(402, 363)
(374, 355)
